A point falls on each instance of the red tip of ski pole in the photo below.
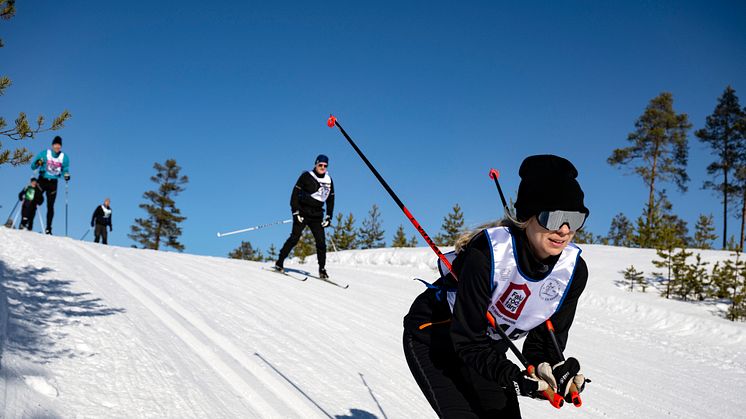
(331, 121)
(576, 399)
(494, 174)
(550, 326)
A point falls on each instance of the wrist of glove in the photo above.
(67, 176)
(562, 376)
(529, 385)
(327, 221)
(297, 216)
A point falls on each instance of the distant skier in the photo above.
(100, 220)
(32, 197)
(52, 165)
(313, 189)
(518, 273)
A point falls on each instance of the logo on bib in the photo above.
(550, 290)
(513, 300)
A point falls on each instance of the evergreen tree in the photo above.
(22, 128)
(400, 239)
(161, 227)
(584, 236)
(704, 232)
(371, 233)
(621, 232)
(306, 246)
(676, 267)
(665, 231)
(634, 277)
(245, 251)
(271, 253)
(660, 148)
(452, 227)
(732, 244)
(724, 132)
(693, 281)
(344, 232)
(413, 241)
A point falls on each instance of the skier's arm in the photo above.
(330, 202)
(538, 346)
(93, 217)
(469, 326)
(21, 194)
(39, 196)
(41, 156)
(295, 195)
(65, 165)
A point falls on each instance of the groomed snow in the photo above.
(95, 331)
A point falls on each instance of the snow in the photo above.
(94, 331)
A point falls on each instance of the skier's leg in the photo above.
(104, 235)
(320, 239)
(25, 210)
(97, 233)
(32, 214)
(291, 241)
(50, 188)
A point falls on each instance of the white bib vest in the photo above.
(54, 165)
(325, 186)
(107, 211)
(519, 303)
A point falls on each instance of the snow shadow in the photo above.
(354, 413)
(39, 308)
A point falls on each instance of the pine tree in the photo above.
(161, 227)
(725, 133)
(665, 231)
(704, 232)
(634, 277)
(306, 246)
(245, 251)
(271, 253)
(659, 145)
(737, 294)
(452, 227)
(22, 129)
(675, 264)
(584, 236)
(400, 239)
(621, 231)
(692, 281)
(413, 241)
(344, 233)
(371, 233)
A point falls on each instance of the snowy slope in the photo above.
(94, 331)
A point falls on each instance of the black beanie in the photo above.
(548, 183)
(321, 158)
(57, 140)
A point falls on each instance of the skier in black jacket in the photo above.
(313, 189)
(100, 220)
(32, 196)
(519, 273)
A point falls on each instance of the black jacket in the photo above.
(467, 330)
(38, 195)
(309, 207)
(99, 218)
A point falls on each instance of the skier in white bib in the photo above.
(100, 220)
(516, 274)
(312, 191)
(52, 164)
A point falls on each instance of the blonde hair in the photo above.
(508, 221)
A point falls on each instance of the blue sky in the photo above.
(436, 93)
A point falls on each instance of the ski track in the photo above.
(211, 337)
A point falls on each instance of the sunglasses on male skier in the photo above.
(322, 164)
(554, 220)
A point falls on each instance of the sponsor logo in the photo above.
(511, 303)
(550, 289)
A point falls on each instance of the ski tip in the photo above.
(494, 174)
(331, 121)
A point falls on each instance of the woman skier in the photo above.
(517, 274)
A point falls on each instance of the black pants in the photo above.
(318, 236)
(28, 212)
(49, 186)
(100, 233)
(453, 389)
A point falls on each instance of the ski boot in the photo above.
(278, 267)
(48, 231)
(323, 274)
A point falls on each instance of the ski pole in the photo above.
(9, 222)
(41, 221)
(494, 174)
(555, 399)
(66, 202)
(255, 228)
(15, 219)
(86, 233)
(574, 393)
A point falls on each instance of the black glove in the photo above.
(529, 386)
(297, 216)
(327, 221)
(111, 228)
(39, 163)
(67, 177)
(562, 375)
(91, 225)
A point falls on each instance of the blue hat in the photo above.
(321, 158)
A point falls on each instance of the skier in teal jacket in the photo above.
(52, 164)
